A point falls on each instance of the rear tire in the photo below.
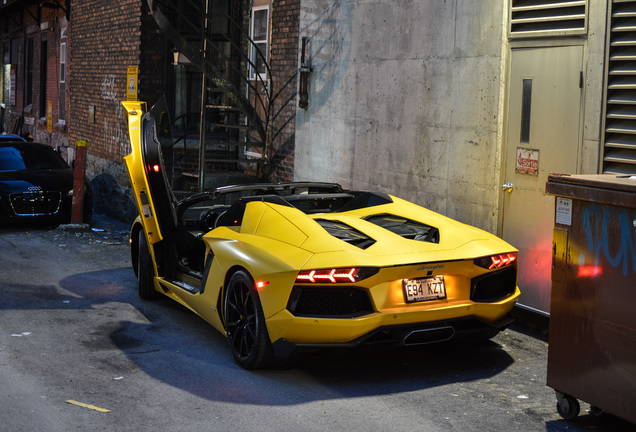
(145, 270)
(245, 324)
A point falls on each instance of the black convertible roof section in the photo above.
(289, 188)
(308, 203)
(366, 199)
(309, 197)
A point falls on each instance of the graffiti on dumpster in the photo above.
(617, 246)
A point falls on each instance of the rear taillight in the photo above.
(335, 275)
(496, 261)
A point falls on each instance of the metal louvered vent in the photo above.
(619, 148)
(540, 18)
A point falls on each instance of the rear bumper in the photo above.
(406, 335)
(335, 330)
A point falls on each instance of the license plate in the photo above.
(424, 289)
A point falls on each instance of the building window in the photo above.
(28, 91)
(10, 73)
(43, 71)
(5, 82)
(526, 108)
(259, 33)
(62, 97)
(5, 73)
(63, 61)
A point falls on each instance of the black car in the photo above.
(36, 185)
(9, 137)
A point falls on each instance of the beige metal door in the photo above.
(544, 111)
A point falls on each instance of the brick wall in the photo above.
(284, 64)
(104, 39)
(28, 118)
(153, 62)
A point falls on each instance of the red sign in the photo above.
(527, 161)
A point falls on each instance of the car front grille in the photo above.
(494, 286)
(335, 302)
(36, 203)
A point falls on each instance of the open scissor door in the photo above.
(150, 136)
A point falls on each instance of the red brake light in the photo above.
(155, 168)
(496, 261)
(335, 275)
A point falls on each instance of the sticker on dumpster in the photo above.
(527, 161)
(563, 211)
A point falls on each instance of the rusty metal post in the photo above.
(78, 181)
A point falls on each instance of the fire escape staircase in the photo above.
(240, 114)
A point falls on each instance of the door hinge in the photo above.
(581, 79)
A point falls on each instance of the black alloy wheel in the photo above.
(245, 324)
(145, 270)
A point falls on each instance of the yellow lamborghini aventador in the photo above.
(289, 266)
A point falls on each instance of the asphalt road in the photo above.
(73, 331)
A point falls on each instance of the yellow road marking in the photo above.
(93, 407)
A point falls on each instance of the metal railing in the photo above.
(213, 37)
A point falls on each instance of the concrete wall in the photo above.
(406, 100)
(594, 87)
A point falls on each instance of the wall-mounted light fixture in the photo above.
(179, 58)
(305, 70)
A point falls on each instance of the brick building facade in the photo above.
(89, 46)
(284, 63)
(106, 38)
(32, 47)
